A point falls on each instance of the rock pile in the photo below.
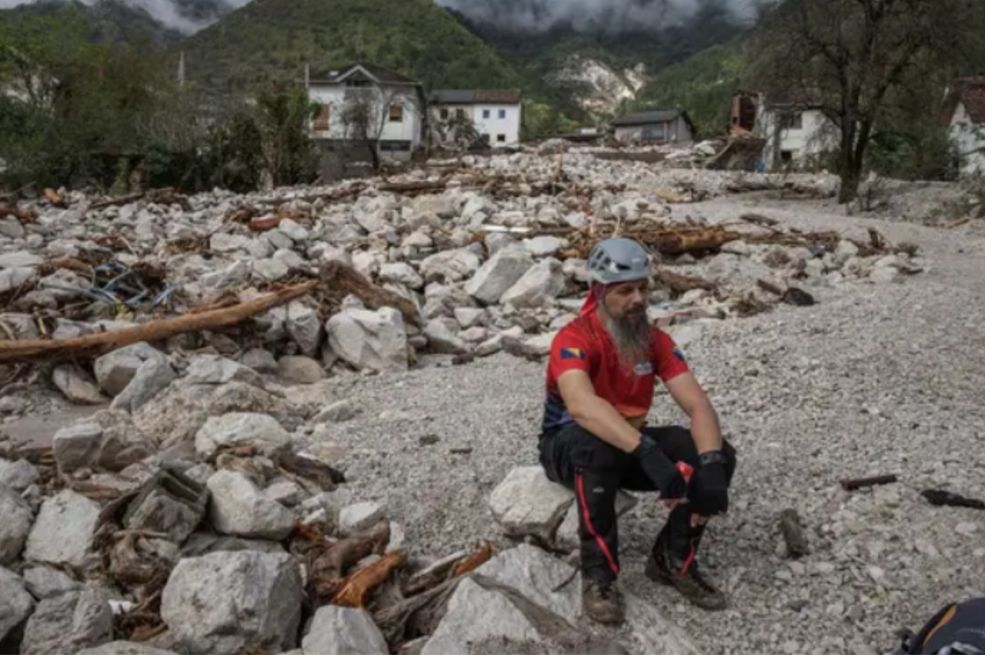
(484, 251)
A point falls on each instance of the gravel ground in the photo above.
(872, 380)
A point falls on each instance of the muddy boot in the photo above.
(674, 562)
(602, 602)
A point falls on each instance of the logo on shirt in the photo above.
(679, 355)
(643, 368)
(572, 353)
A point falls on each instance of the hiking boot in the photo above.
(602, 602)
(686, 578)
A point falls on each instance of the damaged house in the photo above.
(793, 127)
(364, 107)
(492, 116)
(657, 126)
(964, 111)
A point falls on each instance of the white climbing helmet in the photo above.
(619, 260)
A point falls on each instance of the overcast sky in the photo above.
(614, 15)
(528, 15)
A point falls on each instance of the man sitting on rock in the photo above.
(600, 382)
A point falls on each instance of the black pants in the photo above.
(596, 470)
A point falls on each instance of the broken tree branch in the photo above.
(358, 585)
(679, 284)
(861, 483)
(158, 330)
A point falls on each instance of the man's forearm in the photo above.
(705, 430)
(599, 417)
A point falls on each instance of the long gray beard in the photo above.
(631, 336)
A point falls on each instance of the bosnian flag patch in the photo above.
(572, 353)
(678, 354)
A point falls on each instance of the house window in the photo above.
(444, 114)
(323, 118)
(500, 138)
(792, 121)
(786, 156)
(396, 112)
(502, 113)
(486, 113)
(459, 113)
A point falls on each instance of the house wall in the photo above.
(815, 136)
(968, 140)
(493, 126)
(676, 131)
(408, 130)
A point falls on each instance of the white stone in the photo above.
(343, 631)
(360, 516)
(67, 623)
(214, 369)
(115, 370)
(498, 274)
(441, 339)
(543, 245)
(293, 230)
(15, 603)
(15, 524)
(63, 530)
(401, 273)
(527, 503)
(20, 260)
(240, 429)
(469, 316)
(18, 475)
(885, 275)
(75, 386)
(77, 445)
(270, 269)
(450, 265)
(543, 281)
(369, 339)
(305, 327)
(237, 507)
(300, 370)
(233, 602)
(14, 278)
(151, 378)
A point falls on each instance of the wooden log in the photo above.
(679, 284)
(413, 188)
(680, 241)
(328, 567)
(940, 497)
(97, 344)
(114, 202)
(861, 483)
(357, 586)
(792, 530)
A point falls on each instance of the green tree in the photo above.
(851, 57)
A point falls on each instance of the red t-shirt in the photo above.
(584, 344)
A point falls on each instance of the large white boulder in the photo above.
(498, 274)
(343, 631)
(64, 529)
(240, 429)
(542, 281)
(237, 507)
(375, 340)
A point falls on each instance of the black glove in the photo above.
(709, 485)
(658, 467)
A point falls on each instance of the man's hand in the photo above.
(709, 485)
(660, 469)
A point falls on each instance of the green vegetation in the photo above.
(272, 40)
(702, 85)
(79, 112)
